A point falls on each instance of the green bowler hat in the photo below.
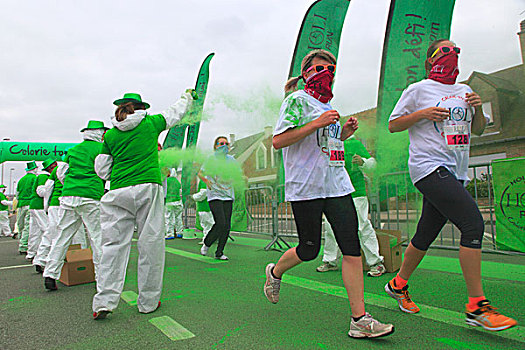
(130, 97)
(46, 163)
(31, 166)
(94, 124)
(2, 186)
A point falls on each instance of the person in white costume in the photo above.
(5, 229)
(80, 201)
(203, 210)
(129, 159)
(174, 207)
(24, 190)
(361, 160)
(39, 221)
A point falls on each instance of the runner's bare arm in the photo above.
(436, 114)
(478, 121)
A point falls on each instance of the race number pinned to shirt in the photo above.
(336, 151)
(457, 137)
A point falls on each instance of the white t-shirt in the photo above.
(308, 174)
(428, 148)
(219, 188)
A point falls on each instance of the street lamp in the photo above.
(10, 179)
(5, 139)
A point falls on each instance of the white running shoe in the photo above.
(368, 327)
(326, 266)
(376, 270)
(222, 257)
(204, 249)
(272, 285)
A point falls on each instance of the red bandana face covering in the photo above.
(319, 85)
(445, 69)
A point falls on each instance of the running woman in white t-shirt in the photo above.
(316, 182)
(440, 116)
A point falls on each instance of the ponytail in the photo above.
(291, 84)
(123, 110)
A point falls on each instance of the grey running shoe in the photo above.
(376, 270)
(326, 267)
(204, 249)
(272, 285)
(368, 327)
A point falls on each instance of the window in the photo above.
(261, 158)
(275, 157)
(487, 109)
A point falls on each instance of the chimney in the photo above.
(268, 131)
(521, 34)
(232, 139)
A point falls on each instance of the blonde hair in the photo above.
(122, 111)
(291, 84)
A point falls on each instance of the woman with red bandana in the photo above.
(316, 183)
(440, 116)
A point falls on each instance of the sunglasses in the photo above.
(320, 67)
(222, 143)
(446, 49)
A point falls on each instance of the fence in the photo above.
(396, 204)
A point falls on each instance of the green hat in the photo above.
(130, 97)
(94, 124)
(31, 166)
(2, 186)
(46, 163)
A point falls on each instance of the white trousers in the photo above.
(5, 229)
(206, 220)
(367, 237)
(22, 221)
(173, 213)
(120, 210)
(48, 237)
(38, 225)
(74, 211)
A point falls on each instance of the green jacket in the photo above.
(81, 179)
(352, 147)
(135, 151)
(57, 189)
(202, 205)
(24, 189)
(173, 193)
(37, 202)
(3, 198)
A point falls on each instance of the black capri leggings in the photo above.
(222, 215)
(342, 216)
(445, 197)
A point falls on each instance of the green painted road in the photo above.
(210, 304)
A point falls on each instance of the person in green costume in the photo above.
(39, 221)
(5, 229)
(357, 160)
(174, 205)
(130, 160)
(80, 201)
(23, 194)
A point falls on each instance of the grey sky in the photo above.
(64, 62)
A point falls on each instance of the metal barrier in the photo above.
(396, 205)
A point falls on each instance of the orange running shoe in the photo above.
(487, 317)
(403, 299)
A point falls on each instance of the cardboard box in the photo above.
(390, 242)
(78, 268)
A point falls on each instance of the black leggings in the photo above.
(445, 197)
(342, 216)
(222, 215)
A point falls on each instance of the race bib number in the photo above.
(457, 137)
(336, 151)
